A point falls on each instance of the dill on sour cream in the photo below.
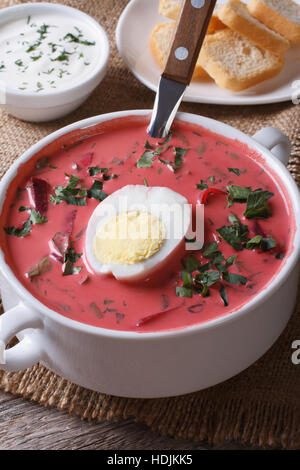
(43, 53)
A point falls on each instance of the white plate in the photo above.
(132, 35)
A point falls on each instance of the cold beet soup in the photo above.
(248, 226)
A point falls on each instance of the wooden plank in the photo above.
(25, 425)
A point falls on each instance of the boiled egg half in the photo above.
(133, 231)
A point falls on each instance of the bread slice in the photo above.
(171, 8)
(283, 16)
(215, 25)
(160, 42)
(237, 17)
(235, 63)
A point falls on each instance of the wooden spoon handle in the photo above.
(189, 35)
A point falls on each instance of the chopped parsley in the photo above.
(202, 185)
(236, 171)
(19, 232)
(146, 160)
(184, 292)
(257, 206)
(70, 259)
(197, 278)
(223, 295)
(43, 30)
(235, 234)
(95, 170)
(72, 193)
(96, 192)
(167, 139)
(34, 218)
(40, 268)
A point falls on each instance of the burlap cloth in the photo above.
(260, 406)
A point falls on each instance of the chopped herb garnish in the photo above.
(184, 292)
(197, 278)
(167, 139)
(257, 206)
(70, 259)
(186, 278)
(190, 264)
(96, 192)
(36, 57)
(223, 295)
(239, 193)
(34, 46)
(63, 56)
(72, 38)
(207, 279)
(146, 182)
(71, 194)
(254, 242)
(236, 234)
(180, 152)
(236, 171)
(148, 146)
(146, 160)
(95, 170)
(40, 268)
(19, 232)
(43, 30)
(202, 185)
(210, 250)
(231, 260)
(268, 244)
(234, 278)
(34, 218)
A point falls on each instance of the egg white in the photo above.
(165, 204)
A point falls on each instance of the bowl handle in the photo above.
(28, 351)
(277, 142)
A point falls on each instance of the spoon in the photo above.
(189, 35)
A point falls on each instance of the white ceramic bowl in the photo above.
(152, 364)
(46, 106)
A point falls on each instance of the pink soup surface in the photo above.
(103, 301)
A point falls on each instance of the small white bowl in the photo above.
(46, 106)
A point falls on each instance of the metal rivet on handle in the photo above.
(181, 53)
(198, 3)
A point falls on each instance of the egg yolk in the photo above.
(129, 238)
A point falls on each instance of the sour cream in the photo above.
(44, 53)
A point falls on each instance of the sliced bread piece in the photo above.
(171, 8)
(283, 16)
(215, 25)
(160, 42)
(237, 17)
(235, 63)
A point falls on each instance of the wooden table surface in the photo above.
(29, 426)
